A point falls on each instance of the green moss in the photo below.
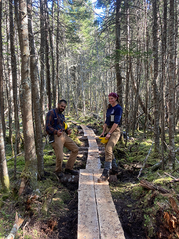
(137, 191)
(149, 223)
(162, 181)
(48, 158)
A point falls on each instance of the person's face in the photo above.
(112, 100)
(61, 106)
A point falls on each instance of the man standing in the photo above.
(55, 127)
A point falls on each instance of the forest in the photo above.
(80, 51)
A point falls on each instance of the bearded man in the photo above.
(58, 137)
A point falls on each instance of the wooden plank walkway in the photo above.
(97, 216)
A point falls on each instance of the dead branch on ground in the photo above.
(144, 183)
(17, 224)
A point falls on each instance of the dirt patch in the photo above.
(128, 209)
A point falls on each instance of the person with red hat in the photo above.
(112, 128)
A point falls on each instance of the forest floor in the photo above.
(52, 210)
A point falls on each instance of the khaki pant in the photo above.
(64, 141)
(109, 156)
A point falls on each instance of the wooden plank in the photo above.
(87, 213)
(87, 131)
(93, 161)
(97, 216)
(92, 142)
(109, 223)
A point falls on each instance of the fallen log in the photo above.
(144, 183)
(17, 224)
(158, 165)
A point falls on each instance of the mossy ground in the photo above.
(51, 206)
(142, 210)
(53, 212)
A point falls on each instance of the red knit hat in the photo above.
(114, 95)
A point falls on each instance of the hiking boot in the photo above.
(71, 171)
(59, 174)
(104, 177)
(114, 170)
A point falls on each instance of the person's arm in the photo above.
(111, 131)
(104, 129)
(68, 131)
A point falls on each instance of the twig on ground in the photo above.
(170, 175)
(145, 161)
(14, 156)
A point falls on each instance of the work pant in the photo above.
(109, 156)
(64, 141)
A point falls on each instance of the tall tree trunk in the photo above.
(51, 32)
(171, 86)
(57, 53)
(118, 47)
(155, 87)
(28, 129)
(127, 72)
(1, 77)
(9, 86)
(176, 57)
(42, 61)
(4, 176)
(162, 83)
(146, 65)
(47, 57)
(35, 95)
(135, 110)
(14, 85)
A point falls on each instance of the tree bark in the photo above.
(9, 86)
(57, 53)
(28, 129)
(4, 176)
(171, 86)
(47, 57)
(162, 81)
(127, 72)
(155, 76)
(35, 95)
(1, 78)
(14, 79)
(51, 32)
(42, 62)
(118, 47)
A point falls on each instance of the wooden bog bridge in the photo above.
(97, 216)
